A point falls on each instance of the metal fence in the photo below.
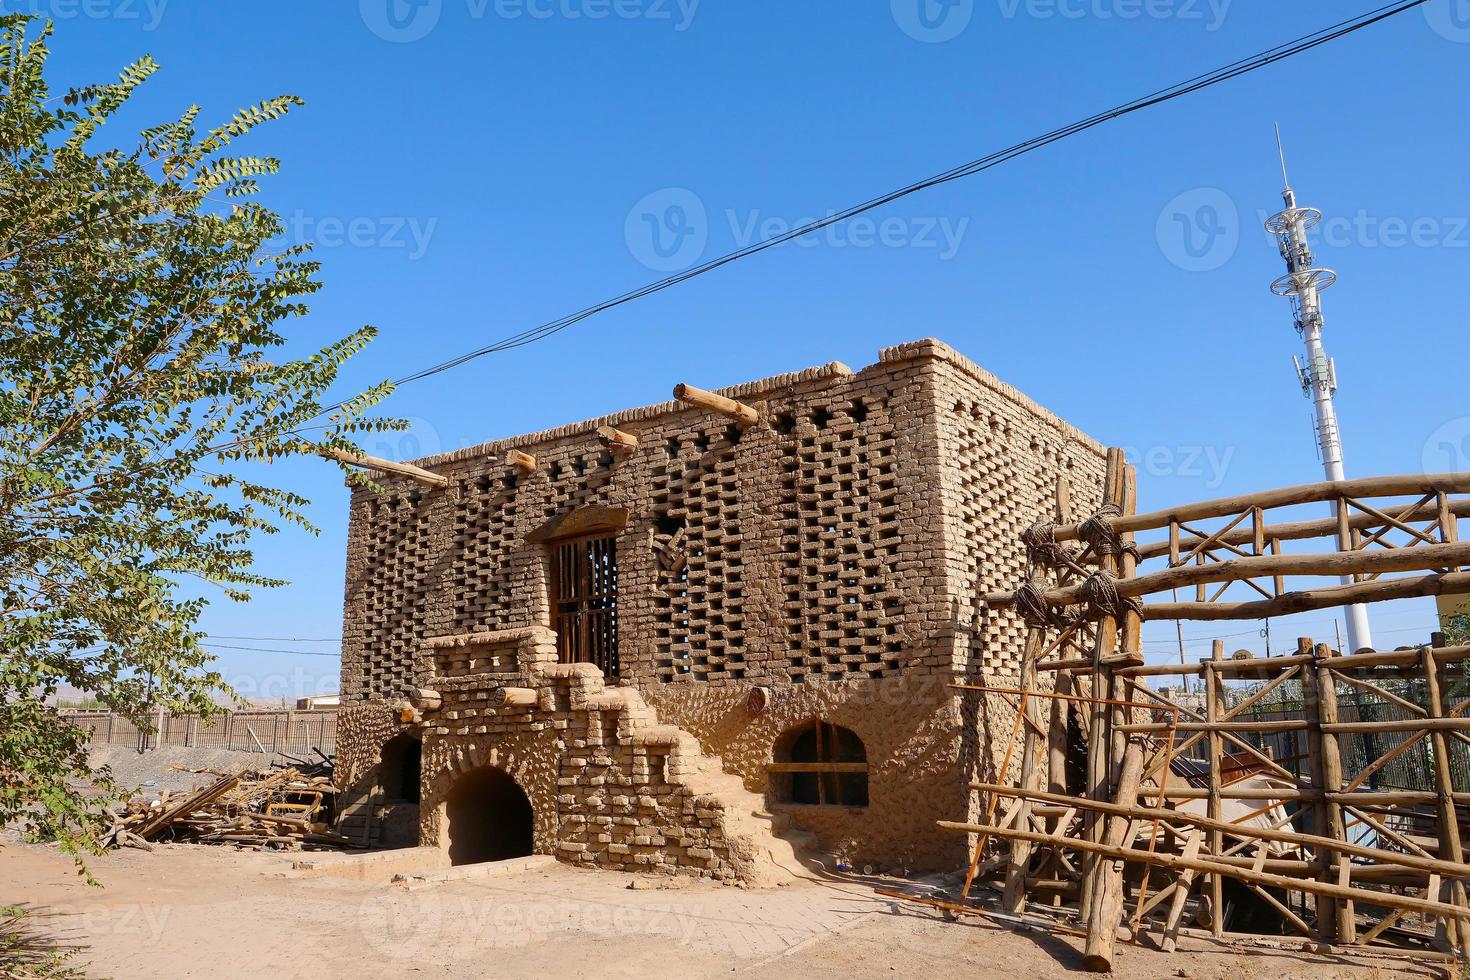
(295, 733)
(1411, 769)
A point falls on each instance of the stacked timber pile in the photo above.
(282, 809)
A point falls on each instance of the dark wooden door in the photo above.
(584, 579)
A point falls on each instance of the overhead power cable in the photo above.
(1245, 65)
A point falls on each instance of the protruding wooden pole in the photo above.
(617, 439)
(709, 401)
(1107, 911)
(1014, 898)
(524, 462)
(415, 473)
(1213, 710)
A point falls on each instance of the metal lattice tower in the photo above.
(1303, 285)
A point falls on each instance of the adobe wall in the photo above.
(1002, 455)
(805, 547)
(833, 553)
(911, 729)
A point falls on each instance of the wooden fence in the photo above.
(294, 733)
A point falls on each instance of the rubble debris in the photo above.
(280, 809)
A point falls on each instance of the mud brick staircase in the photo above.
(630, 793)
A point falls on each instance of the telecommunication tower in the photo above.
(1303, 285)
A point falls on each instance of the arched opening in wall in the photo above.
(487, 817)
(820, 764)
(398, 773)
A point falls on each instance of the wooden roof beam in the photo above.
(524, 462)
(743, 414)
(415, 473)
(617, 439)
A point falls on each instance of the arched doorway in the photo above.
(487, 817)
(398, 773)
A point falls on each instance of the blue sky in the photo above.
(470, 168)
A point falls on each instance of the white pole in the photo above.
(1303, 284)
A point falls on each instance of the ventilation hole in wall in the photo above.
(604, 459)
(859, 411)
(667, 524)
(821, 417)
(733, 433)
(701, 443)
(671, 448)
(785, 423)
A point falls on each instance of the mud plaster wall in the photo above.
(910, 728)
(362, 731)
(1002, 459)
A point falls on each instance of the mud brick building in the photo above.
(676, 640)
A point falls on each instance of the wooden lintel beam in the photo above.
(709, 401)
(415, 473)
(617, 439)
(524, 462)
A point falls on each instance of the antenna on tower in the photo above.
(1281, 154)
(1303, 285)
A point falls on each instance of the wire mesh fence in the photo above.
(1412, 766)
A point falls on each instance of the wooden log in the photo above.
(524, 462)
(1378, 590)
(1450, 869)
(1445, 556)
(1107, 912)
(426, 699)
(1399, 725)
(1182, 885)
(709, 401)
(1303, 884)
(1449, 820)
(1013, 900)
(1304, 493)
(416, 473)
(617, 439)
(1214, 707)
(513, 697)
(1353, 662)
(1283, 725)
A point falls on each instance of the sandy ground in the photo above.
(195, 911)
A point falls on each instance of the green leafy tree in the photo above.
(142, 296)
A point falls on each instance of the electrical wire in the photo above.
(1243, 66)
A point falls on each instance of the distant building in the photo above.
(318, 701)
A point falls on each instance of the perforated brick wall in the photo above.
(844, 536)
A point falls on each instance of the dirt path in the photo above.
(187, 911)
